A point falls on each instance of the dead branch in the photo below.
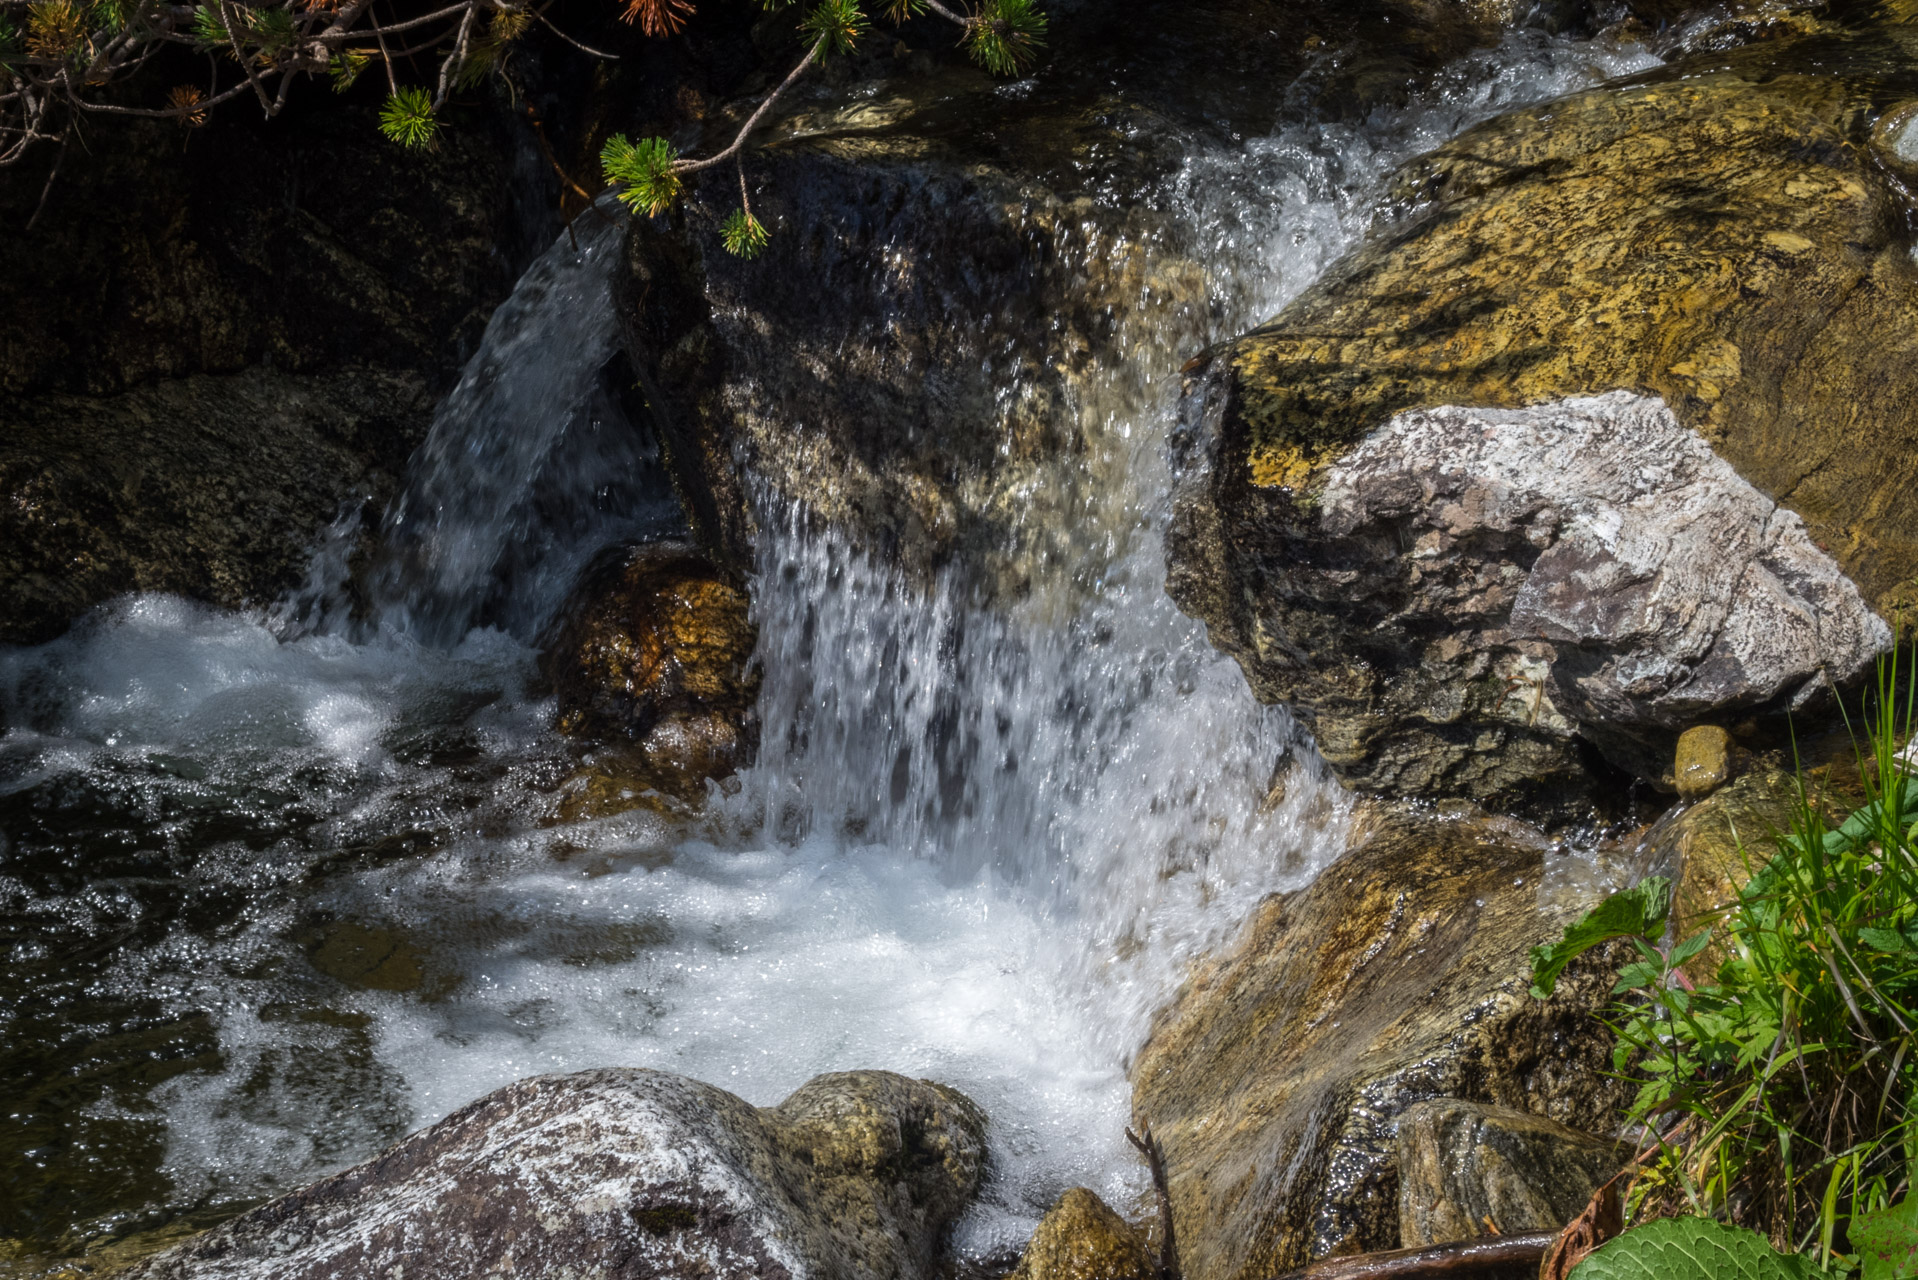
(1155, 1161)
(1460, 1261)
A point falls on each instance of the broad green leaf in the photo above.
(1887, 940)
(1690, 947)
(1639, 911)
(1887, 1241)
(1690, 1249)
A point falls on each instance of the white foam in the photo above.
(1006, 926)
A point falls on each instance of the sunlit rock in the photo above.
(631, 1173)
(1468, 1170)
(1080, 1238)
(1709, 242)
(654, 656)
(1277, 1078)
(1703, 761)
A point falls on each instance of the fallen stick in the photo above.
(1467, 1258)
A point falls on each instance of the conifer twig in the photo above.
(1155, 1162)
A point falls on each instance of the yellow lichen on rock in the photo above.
(1714, 237)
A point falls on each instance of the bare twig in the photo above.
(1155, 1161)
(752, 121)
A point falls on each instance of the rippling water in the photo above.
(277, 889)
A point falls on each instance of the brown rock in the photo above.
(1468, 1170)
(1703, 761)
(1711, 848)
(611, 1174)
(1080, 1238)
(1276, 1078)
(654, 655)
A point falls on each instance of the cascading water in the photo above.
(280, 896)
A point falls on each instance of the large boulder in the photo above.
(1277, 1078)
(962, 270)
(1610, 432)
(631, 1174)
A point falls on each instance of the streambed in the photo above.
(281, 887)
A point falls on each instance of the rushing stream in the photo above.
(279, 888)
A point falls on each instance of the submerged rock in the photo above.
(1682, 312)
(654, 653)
(1277, 1078)
(629, 1174)
(1468, 1170)
(1081, 1238)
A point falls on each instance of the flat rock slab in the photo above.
(629, 1174)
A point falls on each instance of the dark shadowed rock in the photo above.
(1464, 601)
(654, 656)
(1468, 1170)
(631, 1174)
(1277, 1077)
(214, 340)
(1080, 1238)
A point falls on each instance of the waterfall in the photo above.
(981, 843)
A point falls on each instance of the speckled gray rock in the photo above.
(1467, 1169)
(1525, 580)
(627, 1175)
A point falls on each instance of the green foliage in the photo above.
(209, 28)
(1783, 1084)
(838, 23)
(1690, 1249)
(1006, 35)
(1639, 911)
(645, 169)
(345, 68)
(1887, 1242)
(407, 118)
(9, 40)
(273, 32)
(744, 235)
(109, 15)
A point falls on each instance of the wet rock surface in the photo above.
(958, 265)
(206, 350)
(1468, 1170)
(654, 658)
(631, 1173)
(1081, 1238)
(1277, 1078)
(1713, 239)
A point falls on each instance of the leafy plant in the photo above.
(1690, 1249)
(1887, 1242)
(1006, 36)
(1777, 1092)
